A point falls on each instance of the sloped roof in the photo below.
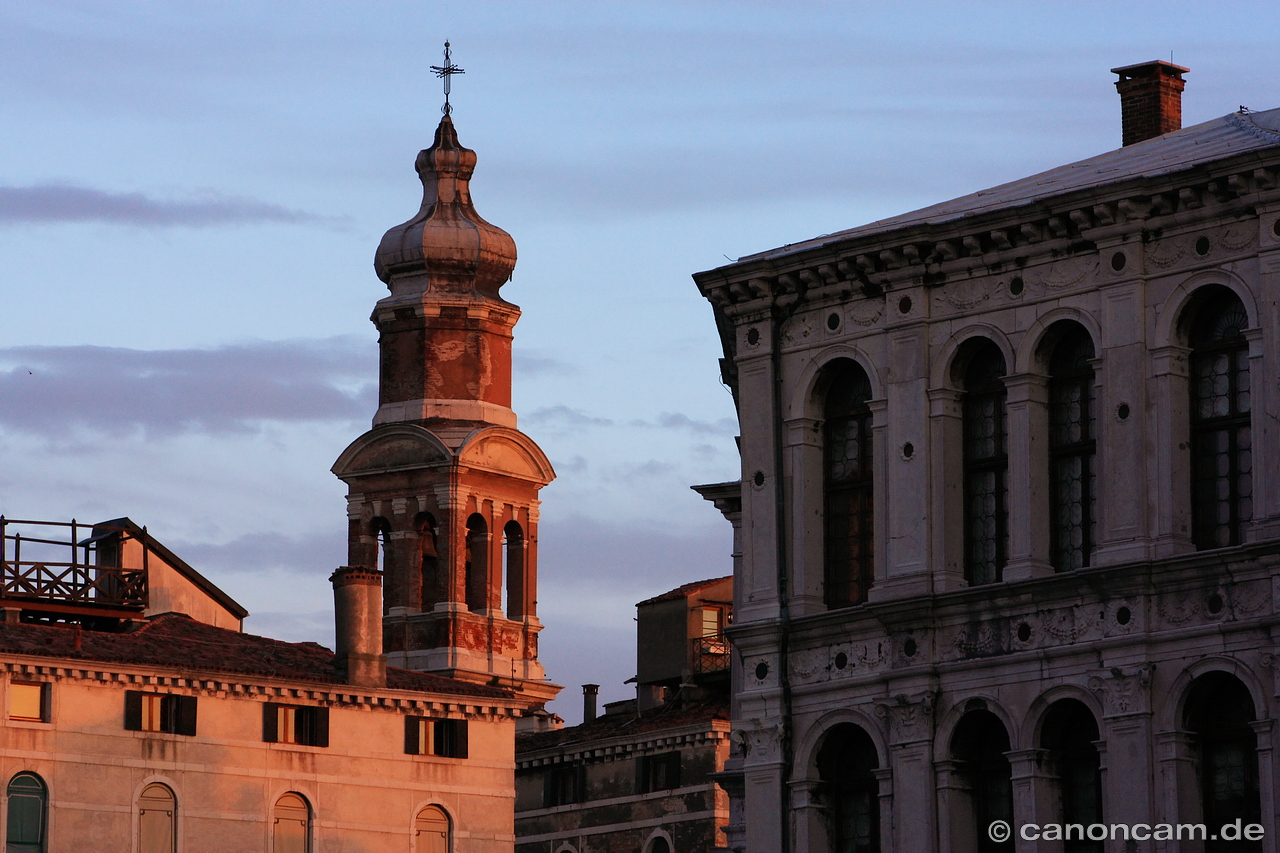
(107, 528)
(684, 591)
(619, 725)
(1218, 139)
(176, 642)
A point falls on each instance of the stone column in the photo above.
(1128, 795)
(763, 772)
(805, 475)
(957, 832)
(1170, 426)
(910, 725)
(1028, 448)
(884, 780)
(451, 545)
(808, 815)
(946, 474)
(1035, 798)
(1265, 732)
(1180, 788)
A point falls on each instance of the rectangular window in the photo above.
(159, 712)
(304, 725)
(443, 738)
(29, 701)
(564, 784)
(659, 772)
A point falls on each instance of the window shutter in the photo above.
(133, 710)
(460, 738)
(270, 723)
(412, 725)
(186, 715)
(322, 727)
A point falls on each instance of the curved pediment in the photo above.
(391, 448)
(506, 451)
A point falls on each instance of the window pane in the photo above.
(26, 701)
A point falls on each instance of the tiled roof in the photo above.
(625, 725)
(1218, 139)
(176, 642)
(684, 591)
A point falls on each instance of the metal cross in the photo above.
(446, 71)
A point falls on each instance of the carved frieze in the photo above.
(1061, 275)
(759, 743)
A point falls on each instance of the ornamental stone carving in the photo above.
(1124, 692)
(910, 718)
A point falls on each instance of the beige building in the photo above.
(126, 729)
(640, 777)
(1010, 509)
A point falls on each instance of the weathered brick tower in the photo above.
(443, 490)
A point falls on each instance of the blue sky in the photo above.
(191, 195)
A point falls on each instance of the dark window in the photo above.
(304, 725)
(1069, 733)
(564, 784)
(476, 570)
(659, 772)
(1221, 444)
(851, 793)
(1219, 711)
(979, 744)
(444, 738)
(27, 816)
(986, 465)
(847, 486)
(1072, 448)
(159, 712)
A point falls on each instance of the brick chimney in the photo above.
(357, 610)
(1150, 99)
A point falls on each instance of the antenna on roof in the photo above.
(445, 72)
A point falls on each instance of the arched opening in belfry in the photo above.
(380, 532)
(477, 565)
(513, 570)
(850, 791)
(431, 585)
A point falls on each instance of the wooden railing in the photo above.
(88, 574)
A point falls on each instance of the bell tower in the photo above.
(443, 490)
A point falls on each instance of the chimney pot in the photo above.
(357, 610)
(589, 693)
(1150, 99)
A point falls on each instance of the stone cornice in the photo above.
(220, 686)
(1073, 224)
(618, 747)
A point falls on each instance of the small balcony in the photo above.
(47, 569)
(710, 654)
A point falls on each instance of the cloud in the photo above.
(528, 366)
(46, 203)
(676, 420)
(565, 417)
(51, 391)
(315, 554)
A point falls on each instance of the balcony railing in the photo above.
(36, 566)
(710, 654)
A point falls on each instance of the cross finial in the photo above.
(445, 72)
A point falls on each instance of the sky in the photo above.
(191, 195)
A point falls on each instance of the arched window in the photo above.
(513, 559)
(1067, 735)
(1218, 712)
(1072, 447)
(157, 820)
(28, 814)
(658, 844)
(1221, 447)
(979, 744)
(380, 530)
(433, 590)
(431, 831)
(986, 463)
(477, 568)
(291, 830)
(846, 765)
(847, 486)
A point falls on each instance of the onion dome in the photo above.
(447, 247)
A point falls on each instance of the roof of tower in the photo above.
(447, 246)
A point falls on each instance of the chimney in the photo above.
(589, 693)
(357, 610)
(1150, 99)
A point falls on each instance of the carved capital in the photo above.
(1124, 692)
(910, 718)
